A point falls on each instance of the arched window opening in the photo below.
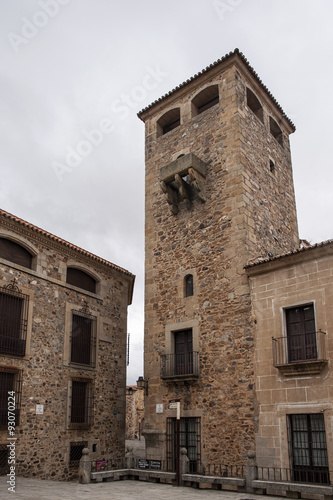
(254, 104)
(169, 121)
(14, 252)
(79, 278)
(275, 130)
(189, 285)
(206, 99)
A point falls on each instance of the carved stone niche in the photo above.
(184, 179)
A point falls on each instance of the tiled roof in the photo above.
(262, 260)
(65, 243)
(236, 52)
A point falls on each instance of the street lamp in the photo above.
(142, 384)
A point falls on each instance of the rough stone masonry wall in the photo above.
(211, 241)
(43, 444)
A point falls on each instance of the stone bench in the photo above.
(294, 490)
(234, 483)
(140, 474)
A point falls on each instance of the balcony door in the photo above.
(301, 334)
(183, 352)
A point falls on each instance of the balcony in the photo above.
(178, 367)
(303, 354)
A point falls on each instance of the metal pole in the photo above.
(178, 445)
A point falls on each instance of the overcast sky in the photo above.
(74, 74)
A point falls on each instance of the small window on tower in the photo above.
(206, 99)
(189, 285)
(272, 167)
(254, 104)
(168, 121)
(275, 130)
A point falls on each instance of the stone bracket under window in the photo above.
(184, 179)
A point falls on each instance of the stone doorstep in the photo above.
(301, 487)
(234, 481)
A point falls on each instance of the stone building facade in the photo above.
(292, 299)
(134, 412)
(63, 327)
(219, 191)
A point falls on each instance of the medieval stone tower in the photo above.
(219, 192)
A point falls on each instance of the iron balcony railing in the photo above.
(299, 348)
(319, 475)
(184, 365)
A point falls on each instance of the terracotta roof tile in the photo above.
(236, 52)
(65, 243)
(261, 260)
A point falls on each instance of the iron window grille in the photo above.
(10, 382)
(83, 339)
(190, 438)
(308, 449)
(14, 306)
(81, 404)
(75, 452)
(4, 466)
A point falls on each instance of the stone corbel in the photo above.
(198, 182)
(171, 196)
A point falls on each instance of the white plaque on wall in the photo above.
(159, 408)
(39, 409)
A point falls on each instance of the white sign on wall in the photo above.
(159, 408)
(39, 409)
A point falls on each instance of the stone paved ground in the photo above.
(35, 489)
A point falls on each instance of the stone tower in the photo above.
(219, 192)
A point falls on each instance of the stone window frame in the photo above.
(173, 328)
(282, 414)
(71, 308)
(30, 294)
(182, 286)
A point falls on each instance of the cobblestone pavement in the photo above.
(35, 489)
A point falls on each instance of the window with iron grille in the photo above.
(81, 403)
(190, 438)
(83, 339)
(10, 382)
(13, 320)
(79, 278)
(75, 452)
(4, 466)
(14, 252)
(308, 450)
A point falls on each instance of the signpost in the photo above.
(174, 404)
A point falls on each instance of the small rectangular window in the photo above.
(83, 339)
(75, 452)
(10, 395)
(81, 403)
(13, 321)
